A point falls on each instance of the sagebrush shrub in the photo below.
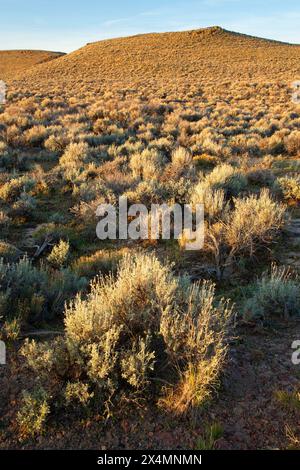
(56, 143)
(36, 135)
(142, 291)
(275, 295)
(100, 262)
(147, 164)
(290, 187)
(4, 219)
(254, 222)
(11, 329)
(9, 252)
(25, 205)
(196, 336)
(77, 392)
(227, 178)
(116, 337)
(292, 143)
(33, 414)
(215, 205)
(59, 254)
(13, 189)
(148, 192)
(21, 281)
(181, 164)
(33, 293)
(73, 160)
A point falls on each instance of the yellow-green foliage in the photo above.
(147, 164)
(33, 413)
(73, 160)
(114, 337)
(59, 254)
(196, 339)
(254, 222)
(274, 295)
(102, 261)
(290, 187)
(228, 178)
(78, 392)
(11, 190)
(215, 205)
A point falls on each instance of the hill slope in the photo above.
(14, 62)
(198, 56)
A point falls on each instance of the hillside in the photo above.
(14, 62)
(170, 60)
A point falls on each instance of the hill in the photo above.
(165, 60)
(14, 62)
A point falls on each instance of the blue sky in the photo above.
(65, 25)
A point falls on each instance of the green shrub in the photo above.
(11, 329)
(25, 205)
(146, 165)
(36, 135)
(196, 337)
(13, 189)
(181, 164)
(261, 177)
(100, 262)
(116, 337)
(21, 281)
(56, 143)
(74, 159)
(227, 178)
(59, 254)
(4, 220)
(33, 414)
(275, 295)
(292, 143)
(77, 392)
(147, 192)
(9, 252)
(215, 205)
(290, 187)
(254, 222)
(211, 434)
(34, 293)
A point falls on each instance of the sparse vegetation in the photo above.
(33, 413)
(137, 335)
(274, 295)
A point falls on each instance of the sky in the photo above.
(66, 25)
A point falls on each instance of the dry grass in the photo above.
(14, 62)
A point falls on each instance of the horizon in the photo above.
(149, 33)
(38, 26)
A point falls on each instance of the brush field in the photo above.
(122, 344)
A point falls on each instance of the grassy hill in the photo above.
(14, 62)
(170, 60)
